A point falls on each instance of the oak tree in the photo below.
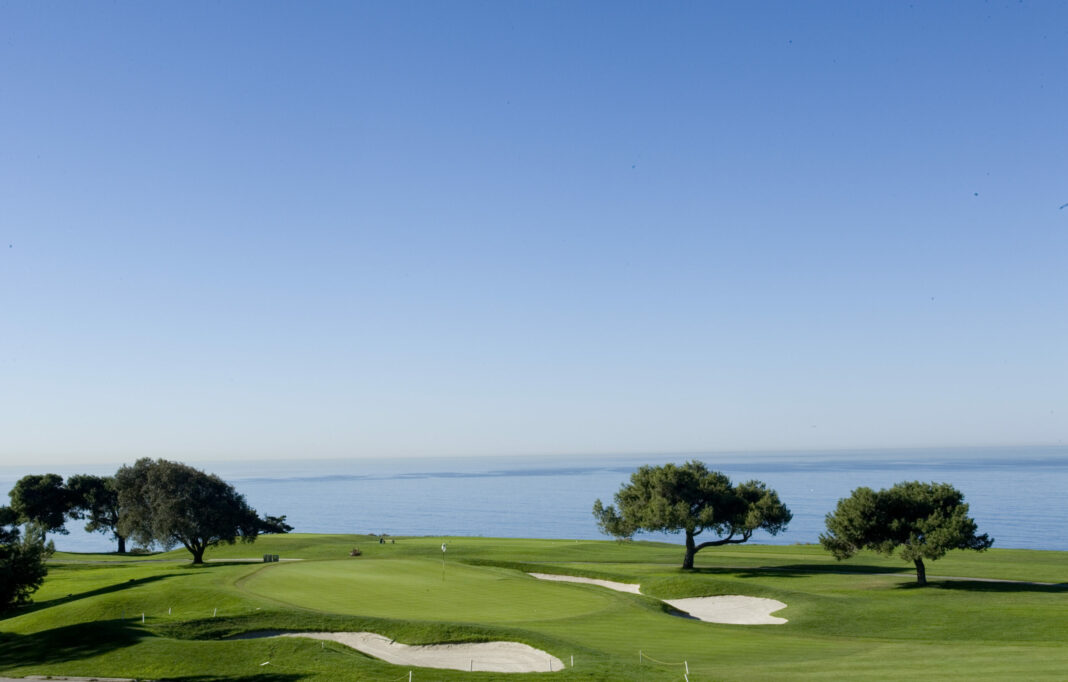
(43, 500)
(96, 500)
(170, 503)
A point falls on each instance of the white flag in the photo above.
(443, 547)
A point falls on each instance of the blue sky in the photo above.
(258, 230)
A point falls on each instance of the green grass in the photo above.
(847, 620)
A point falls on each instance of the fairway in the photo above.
(847, 620)
(420, 589)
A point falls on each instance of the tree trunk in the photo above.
(691, 550)
(921, 572)
(122, 544)
(198, 554)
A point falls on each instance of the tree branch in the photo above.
(717, 543)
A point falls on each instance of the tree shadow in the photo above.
(217, 564)
(117, 587)
(966, 585)
(793, 571)
(805, 570)
(69, 643)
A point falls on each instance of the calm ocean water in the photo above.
(1016, 494)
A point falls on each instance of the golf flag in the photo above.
(443, 547)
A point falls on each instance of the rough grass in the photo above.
(854, 619)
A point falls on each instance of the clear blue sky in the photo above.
(243, 230)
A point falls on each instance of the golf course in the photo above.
(1001, 614)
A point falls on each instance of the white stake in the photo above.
(572, 660)
(168, 610)
(409, 676)
(215, 612)
(142, 616)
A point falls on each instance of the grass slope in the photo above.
(846, 619)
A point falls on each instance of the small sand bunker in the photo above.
(731, 609)
(497, 657)
(633, 588)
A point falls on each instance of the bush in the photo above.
(22, 560)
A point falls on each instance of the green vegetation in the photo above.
(923, 520)
(22, 559)
(154, 502)
(96, 500)
(692, 499)
(856, 619)
(43, 500)
(170, 503)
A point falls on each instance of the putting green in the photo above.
(416, 589)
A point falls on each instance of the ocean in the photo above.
(1015, 494)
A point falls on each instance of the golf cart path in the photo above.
(69, 679)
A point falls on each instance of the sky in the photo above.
(275, 230)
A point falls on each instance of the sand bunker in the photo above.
(497, 657)
(632, 588)
(731, 609)
(728, 609)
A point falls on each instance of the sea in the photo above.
(1016, 494)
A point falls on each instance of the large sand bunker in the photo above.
(497, 657)
(729, 609)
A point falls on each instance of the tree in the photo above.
(22, 560)
(42, 499)
(96, 499)
(692, 499)
(925, 520)
(171, 503)
(274, 524)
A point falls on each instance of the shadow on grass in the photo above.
(790, 571)
(117, 587)
(806, 570)
(70, 643)
(984, 586)
(222, 563)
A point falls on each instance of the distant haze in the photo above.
(253, 231)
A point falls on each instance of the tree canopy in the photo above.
(692, 499)
(274, 524)
(171, 503)
(924, 520)
(96, 499)
(22, 558)
(41, 499)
